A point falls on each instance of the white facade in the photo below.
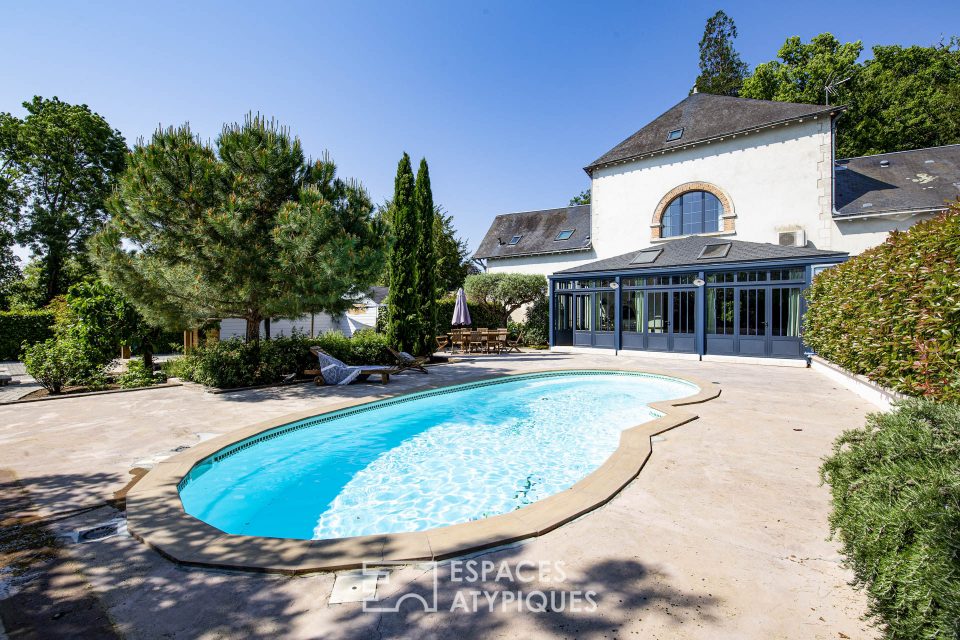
(775, 179)
(363, 315)
(540, 264)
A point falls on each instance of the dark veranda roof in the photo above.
(538, 231)
(683, 252)
(703, 117)
(921, 179)
(378, 294)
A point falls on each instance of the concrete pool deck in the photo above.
(723, 534)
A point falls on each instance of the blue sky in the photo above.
(507, 100)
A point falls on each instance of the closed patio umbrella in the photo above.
(461, 314)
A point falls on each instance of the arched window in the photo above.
(692, 212)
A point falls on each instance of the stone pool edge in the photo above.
(156, 517)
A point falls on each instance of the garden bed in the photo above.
(79, 392)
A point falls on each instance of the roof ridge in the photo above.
(569, 206)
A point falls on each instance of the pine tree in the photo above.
(721, 69)
(403, 327)
(426, 259)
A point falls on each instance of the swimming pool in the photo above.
(424, 460)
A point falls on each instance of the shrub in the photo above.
(896, 510)
(536, 330)
(235, 363)
(20, 328)
(482, 314)
(55, 362)
(137, 375)
(892, 313)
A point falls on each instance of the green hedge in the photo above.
(893, 312)
(17, 327)
(481, 314)
(234, 363)
(896, 511)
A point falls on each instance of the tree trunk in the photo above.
(54, 271)
(266, 328)
(253, 328)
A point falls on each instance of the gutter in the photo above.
(837, 216)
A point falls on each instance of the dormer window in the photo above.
(514, 240)
(566, 234)
(675, 134)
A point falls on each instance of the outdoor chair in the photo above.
(443, 343)
(513, 344)
(500, 341)
(475, 342)
(457, 340)
(405, 361)
(333, 371)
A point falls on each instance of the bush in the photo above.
(892, 313)
(137, 375)
(896, 510)
(234, 363)
(18, 328)
(536, 330)
(481, 314)
(55, 362)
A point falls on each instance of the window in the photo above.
(605, 309)
(514, 239)
(712, 251)
(566, 234)
(674, 135)
(631, 311)
(646, 257)
(690, 213)
(720, 310)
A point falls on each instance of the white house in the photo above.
(707, 223)
(362, 315)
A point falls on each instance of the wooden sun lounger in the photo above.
(365, 371)
(409, 362)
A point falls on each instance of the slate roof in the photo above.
(683, 252)
(378, 294)
(703, 117)
(538, 231)
(910, 180)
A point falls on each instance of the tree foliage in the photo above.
(581, 198)
(426, 286)
(245, 228)
(892, 313)
(890, 97)
(722, 72)
(57, 167)
(403, 325)
(896, 510)
(508, 291)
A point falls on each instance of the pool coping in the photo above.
(156, 517)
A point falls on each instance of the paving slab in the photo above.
(722, 535)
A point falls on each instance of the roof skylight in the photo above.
(711, 251)
(647, 256)
(675, 134)
(565, 234)
(514, 239)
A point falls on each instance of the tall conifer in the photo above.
(403, 326)
(426, 259)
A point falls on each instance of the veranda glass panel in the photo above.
(786, 312)
(605, 310)
(562, 313)
(684, 312)
(631, 310)
(720, 311)
(582, 313)
(753, 312)
(656, 312)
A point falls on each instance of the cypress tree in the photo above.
(403, 326)
(426, 259)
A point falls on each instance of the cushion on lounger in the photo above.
(339, 373)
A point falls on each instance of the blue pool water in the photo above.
(424, 460)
